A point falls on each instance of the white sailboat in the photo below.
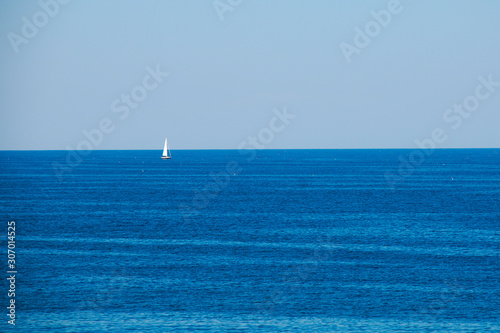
(166, 152)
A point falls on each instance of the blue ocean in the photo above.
(255, 241)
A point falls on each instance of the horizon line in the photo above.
(145, 149)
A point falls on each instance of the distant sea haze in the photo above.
(282, 241)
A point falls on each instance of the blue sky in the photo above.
(226, 76)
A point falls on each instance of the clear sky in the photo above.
(67, 68)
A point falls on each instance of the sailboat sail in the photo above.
(165, 149)
(166, 153)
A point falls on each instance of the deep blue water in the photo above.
(288, 241)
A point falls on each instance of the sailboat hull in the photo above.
(165, 157)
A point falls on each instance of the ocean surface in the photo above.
(283, 241)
